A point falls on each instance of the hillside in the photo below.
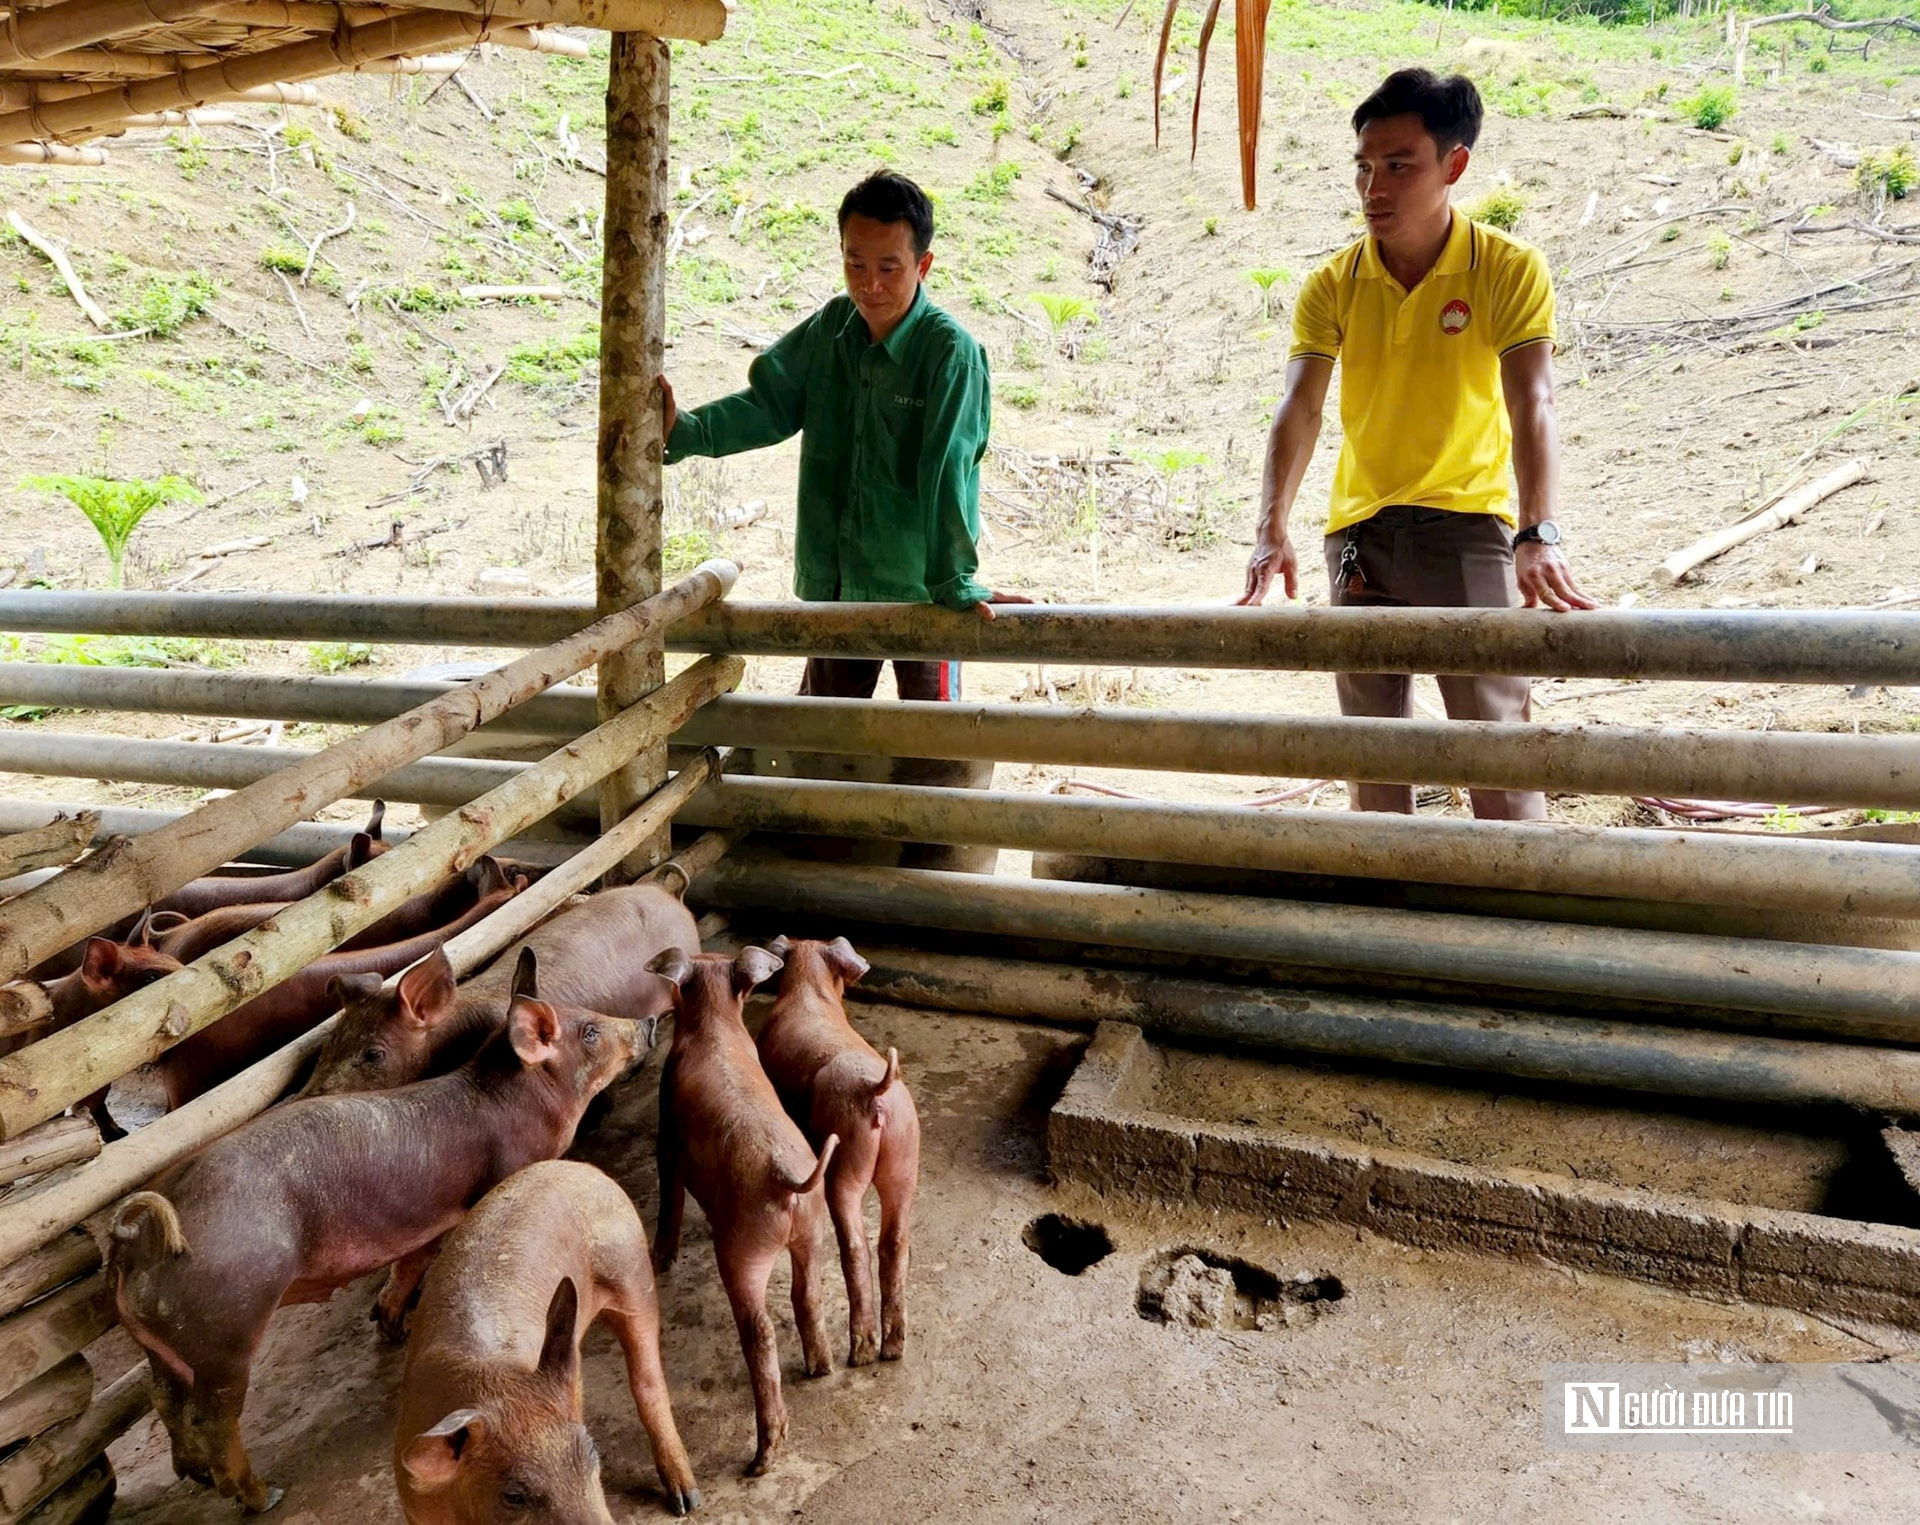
(1734, 308)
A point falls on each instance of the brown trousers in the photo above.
(1427, 558)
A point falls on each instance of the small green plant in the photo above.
(685, 550)
(1124, 87)
(541, 362)
(189, 152)
(1266, 280)
(1021, 395)
(1064, 311)
(1719, 249)
(1211, 227)
(1887, 174)
(1819, 64)
(994, 183)
(166, 304)
(1502, 208)
(285, 259)
(942, 133)
(349, 124)
(1670, 232)
(1710, 107)
(519, 214)
(1782, 144)
(338, 656)
(1737, 152)
(993, 100)
(296, 135)
(115, 508)
(1071, 140)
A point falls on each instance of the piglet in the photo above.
(592, 954)
(491, 1411)
(315, 1194)
(834, 1083)
(724, 1137)
(30, 1009)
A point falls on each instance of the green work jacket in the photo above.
(891, 437)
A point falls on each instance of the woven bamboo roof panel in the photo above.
(80, 69)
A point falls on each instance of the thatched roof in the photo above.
(78, 69)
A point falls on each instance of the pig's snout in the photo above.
(632, 1042)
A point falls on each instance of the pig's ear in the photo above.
(426, 989)
(359, 851)
(432, 1458)
(526, 975)
(560, 1352)
(751, 966)
(672, 965)
(345, 990)
(486, 875)
(376, 819)
(846, 963)
(100, 963)
(780, 947)
(533, 1027)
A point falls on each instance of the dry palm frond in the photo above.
(1250, 66)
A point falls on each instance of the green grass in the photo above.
(546, 362)
(338, 656)
(1711, 107)
(165, 304)
(1502, 207)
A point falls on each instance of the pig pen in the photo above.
(1700, 969)
(1402, 1384)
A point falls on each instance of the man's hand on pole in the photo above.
(985, 607)
(1545, 578)
(669, 413)
(1271, 554)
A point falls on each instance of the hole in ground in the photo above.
(1204, 1289)
(1069, 1245)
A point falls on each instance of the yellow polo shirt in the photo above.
(1420, 398)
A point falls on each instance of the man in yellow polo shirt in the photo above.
(1444, 331)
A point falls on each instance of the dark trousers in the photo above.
(1434, 558)
(856, 678)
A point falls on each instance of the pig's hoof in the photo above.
(862, 1352)
(393, 1326)
(893, 1347)
(683, 1501)
(268, 1499)
(760, 1466)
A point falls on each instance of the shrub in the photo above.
(165, 304)
(338, 656)
(288, 261)
(993, 100)
(1266, 280)
(1710, 107)
(1719, 249)
(115, 508)
(993, 184)
(1887, 174)
(1819, 64)
(1021, 395)
(1502, 208)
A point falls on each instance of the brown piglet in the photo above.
(834, 1083)
(491, 1410)
(724, 1137)
(592, 954)
(312, 1195)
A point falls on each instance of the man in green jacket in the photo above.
(890, 398)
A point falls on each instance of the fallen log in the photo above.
(1753, 526)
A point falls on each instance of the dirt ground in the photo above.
(1029, 1395)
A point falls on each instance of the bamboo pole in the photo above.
(1691, 867)
(43, 1334)
(86, 1500)
(113, 884)
(47, 1400)
(42, 31)
(41, 1227)
(1655, 1060)
(415, 32)
(59, 1141)
(60, 841)
(52, 153)
(43, 1464)
(1795, 979)
(631, 489)
(39, 1081)
(205, 765)
(295, 847)
(1798, 767)
(1711, 645)
(57, 1260)
(680, 20)
(20, 96)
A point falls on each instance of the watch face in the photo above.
(1549, 533)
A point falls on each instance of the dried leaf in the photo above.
(1200, 73)
(1250, 62)
(1160, 64)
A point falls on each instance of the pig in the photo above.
(277, 1016)
(592, 955)
(490, 1420)
(724, 1137)
(198, 896)
(312, 1195)
(188, 938)
(834, 1083)
(30, 1009)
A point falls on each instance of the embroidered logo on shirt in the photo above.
(1455, 316)
(909, 402)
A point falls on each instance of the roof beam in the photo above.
(50, 29)
(228, 78)
(681, 20)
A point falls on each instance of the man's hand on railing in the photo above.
(985, 607)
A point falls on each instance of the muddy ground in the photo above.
(1030, 1395)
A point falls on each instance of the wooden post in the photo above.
(50, 1261)
(47, 1400)
(39, 1468)
(633, 313)
(86, 1500)
(41, 1336)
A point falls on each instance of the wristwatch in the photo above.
(1546, 532)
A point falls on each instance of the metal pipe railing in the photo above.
(1748, 645)
(1691, 867)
